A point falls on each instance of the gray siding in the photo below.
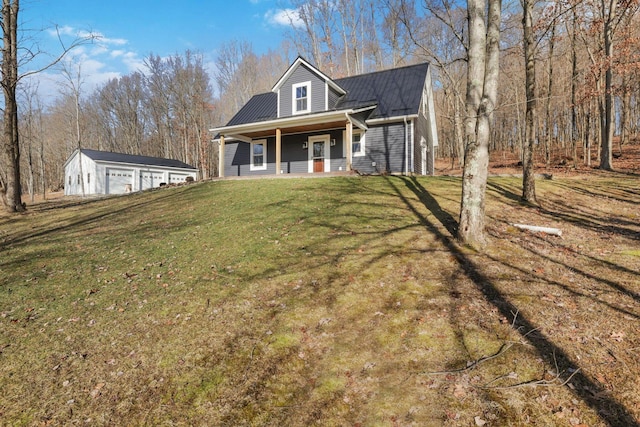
(300, 75)
(385, 146)
(334, 97)
(295, 159)
(237, 158)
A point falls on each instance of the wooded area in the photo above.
(579, 60)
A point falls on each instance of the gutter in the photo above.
(392, 119)
(141, 165)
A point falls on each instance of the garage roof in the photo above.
(107, 156)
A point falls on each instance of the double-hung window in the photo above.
(259, 155)
(301, 98)
(357, 143)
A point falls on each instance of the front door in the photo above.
(319, 154)
(318, 157)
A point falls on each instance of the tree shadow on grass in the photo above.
(581, 217)
(611, 411)
(82, 219)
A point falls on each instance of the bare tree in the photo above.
(10, 188)
(482, 91)
(10, 185)
(72, 73)
(528, 179)
(30, 128)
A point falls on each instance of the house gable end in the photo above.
(305, 89)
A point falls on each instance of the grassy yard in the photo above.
(335, 301)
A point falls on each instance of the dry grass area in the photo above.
(562, 163)
(337, 301)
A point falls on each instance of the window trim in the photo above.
(252, 166)
(363, 138)
(294, 100)
(362, 150)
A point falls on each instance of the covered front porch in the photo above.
(317, 143)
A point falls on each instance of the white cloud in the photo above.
(96, 36)
(100, 59)
(132, 61)
(286, 17)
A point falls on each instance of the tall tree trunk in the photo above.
(549, 125)
(482, 91)
(608, 119)
(625, 113)
(10, 188)
(528, 175)
(574, 81)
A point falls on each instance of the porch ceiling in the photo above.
(295, 129)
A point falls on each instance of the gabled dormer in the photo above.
(303, 89)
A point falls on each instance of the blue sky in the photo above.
(130, 30)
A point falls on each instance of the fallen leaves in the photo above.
(617, 336)
(97, 390)
(479, 421)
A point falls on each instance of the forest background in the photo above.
(585, 55)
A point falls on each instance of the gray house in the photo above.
(382, 122)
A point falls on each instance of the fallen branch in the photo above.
(555, 382)
(475, 363)
(535, 228)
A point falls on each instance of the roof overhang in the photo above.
(143, 165)
(292, 124)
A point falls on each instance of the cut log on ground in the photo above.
(535, 228)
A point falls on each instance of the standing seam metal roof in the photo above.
(107, 156)
(396, 92)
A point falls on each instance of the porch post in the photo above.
(348, 142)
(278, 150)
(221, 158)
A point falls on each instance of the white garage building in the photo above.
(103, 172)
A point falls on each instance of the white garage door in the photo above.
(150, 180)
(119, 181)
(177, 178)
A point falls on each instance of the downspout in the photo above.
(412, 148)
(406, 146)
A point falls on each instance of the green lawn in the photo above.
(334, 301)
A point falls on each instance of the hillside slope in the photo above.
(336, 301)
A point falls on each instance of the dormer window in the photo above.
(301, 95)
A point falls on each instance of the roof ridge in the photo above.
(384, 71)
(159, 161)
